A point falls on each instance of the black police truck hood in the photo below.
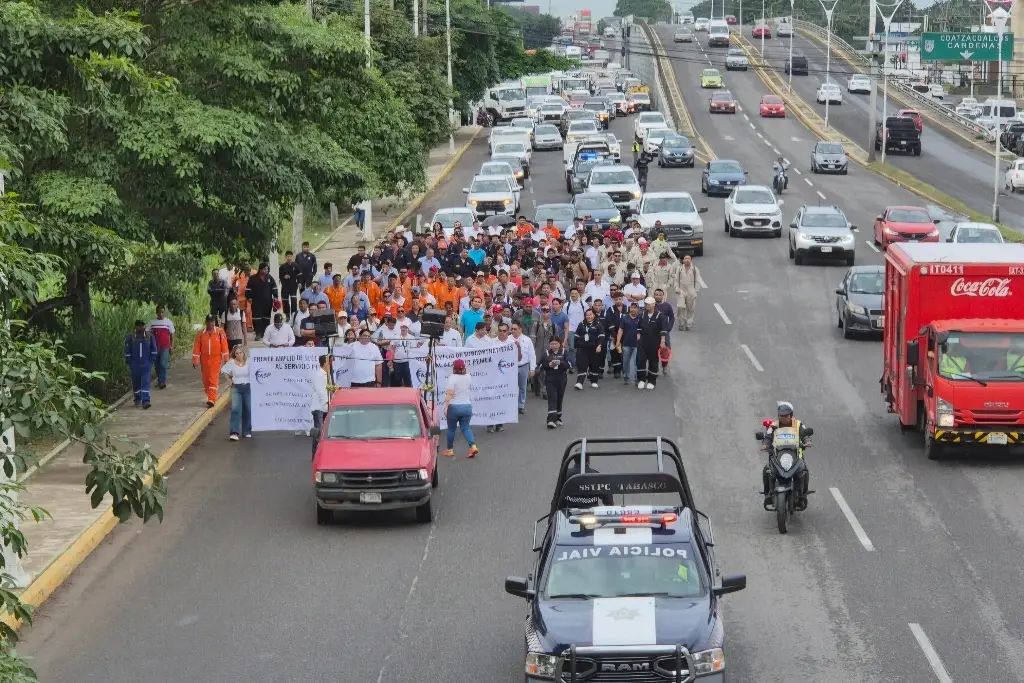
(624, 621)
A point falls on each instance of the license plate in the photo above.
(826, 250)
(903, 142)
(673, 244)
(997, 439)
(369, 497)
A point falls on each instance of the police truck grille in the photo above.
(376, 479)
(615, 670)
(620, 196)
(490, 206)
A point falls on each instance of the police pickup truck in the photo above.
(624, 592)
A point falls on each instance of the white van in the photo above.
(686, 18)
(993, 109)
(718, 33)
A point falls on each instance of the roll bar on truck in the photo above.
(953, 344)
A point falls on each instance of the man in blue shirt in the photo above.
(560, 319)
(429, 261)
(477, 253)
(314, 295)
(471, 316)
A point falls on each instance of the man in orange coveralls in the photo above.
(211, 352)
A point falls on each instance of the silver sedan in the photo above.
(547, 137)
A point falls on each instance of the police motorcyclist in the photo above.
(605, 499)
(642, 163)
(781, 165)
(786, 419)
(636, 150)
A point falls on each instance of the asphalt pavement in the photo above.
(240, 584)
(947, 162)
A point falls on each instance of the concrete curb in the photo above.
(796, 105)
(64, 565)
(445, 170)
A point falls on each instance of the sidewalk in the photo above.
(57, 546)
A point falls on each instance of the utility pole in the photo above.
(415, 18)
(451, 102)
(299, 210)
(873, 111)
(366, 32)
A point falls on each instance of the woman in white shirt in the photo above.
(237, 369)
(458, 408)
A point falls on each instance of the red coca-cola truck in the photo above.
(954, 344)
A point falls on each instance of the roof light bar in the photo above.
(592, 520)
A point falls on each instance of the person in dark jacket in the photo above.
(218, 291)
(611, 320)
(590, 344)
(288, 275)
(261, 291)
(556, 371)
(140, 354)
(669, 311)
(306, 262)
(651, 328)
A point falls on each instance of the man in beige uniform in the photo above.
(690, 281)
(664, 275)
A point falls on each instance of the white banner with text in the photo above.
(281, 382)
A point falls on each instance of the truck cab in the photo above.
(954, 344)
(506, 101)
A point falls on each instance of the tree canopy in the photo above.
(655, 10)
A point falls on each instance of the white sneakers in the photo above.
(639, 385)
(593, 385)
(650, 386)
(578, 386)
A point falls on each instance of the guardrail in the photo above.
(902, 91)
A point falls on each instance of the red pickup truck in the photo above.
(377, 451)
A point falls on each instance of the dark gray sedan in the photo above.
(859, 300)
(829, 157)
(598, 206)
(561, 214)
(675, 150)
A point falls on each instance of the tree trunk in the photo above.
(81, 301)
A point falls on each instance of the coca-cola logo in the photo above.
(993, 286)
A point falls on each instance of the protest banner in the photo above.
(282, 387)
(495, 381)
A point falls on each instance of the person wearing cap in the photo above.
(634, 292)
(641, 254)
(210, 352)
(140, 354)
(786, 419)
(344, 323)
(689, 282)
(651, 328)
(458, 408)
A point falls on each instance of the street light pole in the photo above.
(829, 11)
(451, 102)
(999, 18)
(792, 30)
(763, 25)
(886, 22)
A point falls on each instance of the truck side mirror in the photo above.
(913, 353)
(518, 586)
(730, 584)
(435, 430)
(841, 292)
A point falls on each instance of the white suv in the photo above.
(822, 232)
(491, 195)
(753, 209)
(646, 121)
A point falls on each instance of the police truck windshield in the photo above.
(582, 572)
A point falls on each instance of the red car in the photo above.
(772, 105)
(730, 19)
(377, 451)
(914, 116)
(905, 224)
(722, 103)
(762, 31)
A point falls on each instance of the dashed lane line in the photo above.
(809, 183)
(858, 530)
(721, 312)
(776, 150)
(798, 171)
(752, 357)
(820, 194)
(930, 654)
(752, 126)
(768, 142)
(872, 245)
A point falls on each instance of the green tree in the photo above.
(42, 396)
(655, 10)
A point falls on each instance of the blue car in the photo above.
(598, 206)
(720, 176)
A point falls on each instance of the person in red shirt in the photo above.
(162, 329)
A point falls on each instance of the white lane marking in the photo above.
(809, 183)
(746, 117)
(768, 142)
(776, 150)
(531, 189)
(758, 135)
(534, 202)
(852, 519)
(820, 194)
(872, 245)
(751, 126)
(721, 312)
(930, 654)
(798, 171)
(753, 359)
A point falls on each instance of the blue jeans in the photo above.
(163, 361)
(458, 418)
(241, 409)
(524, 378)
(629, 363)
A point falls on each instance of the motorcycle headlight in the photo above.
(944, 413)
(854, 308)
(540, 665)
(709, 661)
(786, 460)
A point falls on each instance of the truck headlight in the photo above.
(943, 413)
(329, 477)
(615, 219)
(933, 233)
(424, 475)
(848, 238)
(540, 665)
(709, 661)
(854, 308)
(508, 201)
(636, 195)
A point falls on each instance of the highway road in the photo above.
(947, 162)
(900, 568)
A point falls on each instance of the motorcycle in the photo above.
(483, 118)
(786, 473)
(780, 181)
(642, 170)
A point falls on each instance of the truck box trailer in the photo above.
(953, 344)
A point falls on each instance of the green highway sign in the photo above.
(957, 47)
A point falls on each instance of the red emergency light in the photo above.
(627, 520)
